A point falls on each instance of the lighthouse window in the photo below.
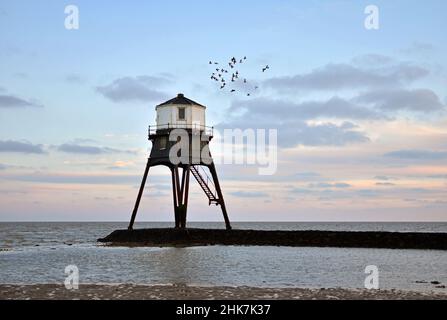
(163, 142)
(181, 114)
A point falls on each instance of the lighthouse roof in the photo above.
(180, 99)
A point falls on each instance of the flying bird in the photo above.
(265, 68)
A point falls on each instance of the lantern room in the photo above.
(180, 112)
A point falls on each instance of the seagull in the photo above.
(245, 80)
(216, 62)
(248, 94)
(256, 87)
(211, 62)
(240, 61)
(245, 58)
(265, 68)
(232, 90)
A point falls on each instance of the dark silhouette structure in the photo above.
(181, 129)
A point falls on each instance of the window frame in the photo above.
(163, 143)
(183, 109)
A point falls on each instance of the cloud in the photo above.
(385, 184)
(307, 176)
(294, 133)
(74, 79)
(280, 109)
(90, 150)
(384, 178)
(3, 166)
(21, 147)
(247, 194)
(438, 176)
(21, 75)
(326, 134)
(9, 101)
(422, 100)
(291, 121)
(372, 60)
(141, 88)
(338, 185)
(83, 140)
(300, 190)
(346, 76)
(76, 179)
(418, 48)
(417, 155)
(120, 165)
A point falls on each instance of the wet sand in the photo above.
(182, 292)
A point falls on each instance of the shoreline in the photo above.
(126, 291)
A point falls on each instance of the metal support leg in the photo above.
(185, 187)
(220, 195)
(140, 193)
(175, 197)
(177, 183)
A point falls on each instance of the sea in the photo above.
(36, 253)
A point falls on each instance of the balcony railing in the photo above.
(195, 126)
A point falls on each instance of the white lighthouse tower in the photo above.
(188, 115)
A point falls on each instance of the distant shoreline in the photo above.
(183, 292)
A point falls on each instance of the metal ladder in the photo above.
(204, 184)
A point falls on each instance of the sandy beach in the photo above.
(173, 292)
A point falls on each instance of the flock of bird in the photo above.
(219, 74)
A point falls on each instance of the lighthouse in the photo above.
(180, 141)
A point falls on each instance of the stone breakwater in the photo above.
(200, 237)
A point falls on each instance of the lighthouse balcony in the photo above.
(155, 130)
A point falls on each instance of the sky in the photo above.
(360, 113)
